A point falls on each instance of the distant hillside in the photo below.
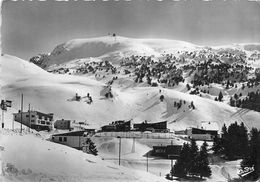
(54, 93)
(107, 47)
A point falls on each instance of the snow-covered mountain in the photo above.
(111, 47)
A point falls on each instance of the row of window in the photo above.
(27, 115)
(64, 139)
(40, 117)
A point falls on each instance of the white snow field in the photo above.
(28, 157)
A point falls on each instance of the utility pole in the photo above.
(133, 147)
(171, 156)
(13, 123)
(119, 155)
(29, 116)
(147, 161)
(21, 113)
(3, 118)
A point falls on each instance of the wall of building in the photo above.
(32, 119)
(201, 137)
(26, 118)
(62, 124)
(71, 141)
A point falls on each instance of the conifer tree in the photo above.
(220, 96)
(192, 168)
(91, 147)
(217, 145)
(242, 141)
(253, 157)
(180, 169)
(202, 163)
(224, 140)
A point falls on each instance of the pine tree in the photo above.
(180, 169)
(253, 157)
(220, 96)
(161, 98)
(202, 163)
(192, 168)
(91, 147)
(224, 140)
(217, 145)
(242, 140)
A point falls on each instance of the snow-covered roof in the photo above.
(210, 125)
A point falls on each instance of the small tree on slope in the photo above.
(220, 96)
(91, 147)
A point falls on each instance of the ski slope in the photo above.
(52, 93)
(108, 47)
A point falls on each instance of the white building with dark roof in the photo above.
(35, 120)
(74, 139)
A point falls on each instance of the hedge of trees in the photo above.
(192, 161)
(252, 159)
(251, 101)
(236, 143)
(233, 143)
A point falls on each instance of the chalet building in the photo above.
(63, 124)
(169, 151)
(153, 127)
(201, 134)
(210, 126)
(117, 126)
(73, 139)
(35, 120)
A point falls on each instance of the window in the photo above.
(40, 117)
(65, 139)
(48, 123)
(27, 115)
(60, 139)
(33, 116)
(32, 121)
(42, 122)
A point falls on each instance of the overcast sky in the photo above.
(32, 27)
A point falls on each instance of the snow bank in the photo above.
(30, 158)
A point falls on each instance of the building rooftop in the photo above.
(73, 133)
(209, 125)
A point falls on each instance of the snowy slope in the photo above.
(54, 93)
(108, 47)
(30, 158)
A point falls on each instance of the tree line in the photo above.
(192, 162)
(237, 143)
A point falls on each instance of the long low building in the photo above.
(74, 139)
(71, 139)
(201, 134)
(169, 151)
(35, 120)
(153, 127)
(117, 126)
